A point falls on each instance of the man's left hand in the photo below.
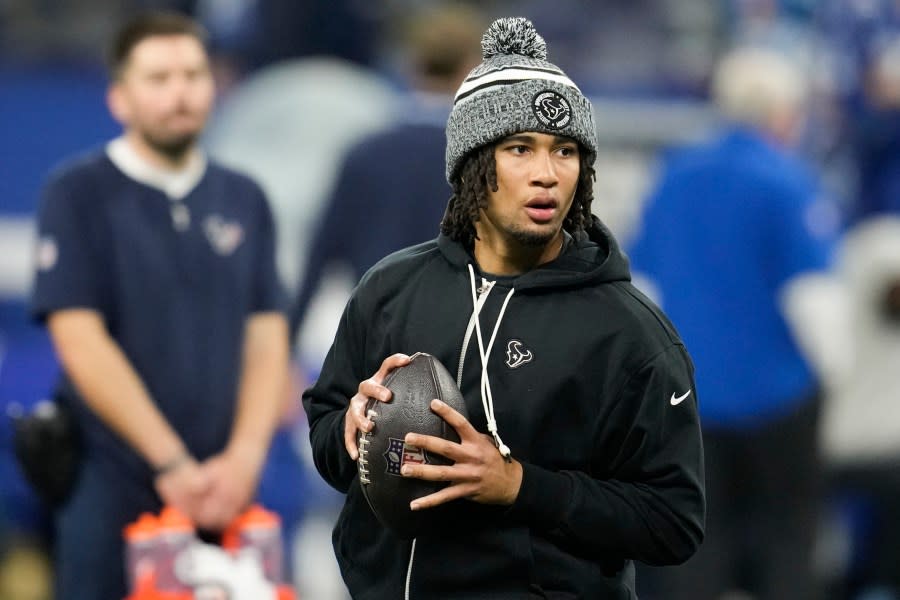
(479, 472)
(232, 477)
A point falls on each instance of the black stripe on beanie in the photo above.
(514, 66)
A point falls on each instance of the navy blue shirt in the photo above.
(175, 299)
(390, 193)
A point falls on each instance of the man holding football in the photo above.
(582, 449)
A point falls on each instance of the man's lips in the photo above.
(541, 210)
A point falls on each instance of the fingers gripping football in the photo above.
(479, 472)
(356, 420)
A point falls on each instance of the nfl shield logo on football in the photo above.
(400, 453)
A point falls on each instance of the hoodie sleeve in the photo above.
(644, 497)
(326, 402)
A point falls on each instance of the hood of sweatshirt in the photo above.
(588, 258)
(591, 256)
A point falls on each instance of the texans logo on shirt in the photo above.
(517, 354)
(224, 236)
(47, 253)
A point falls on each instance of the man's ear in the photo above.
(117, 104)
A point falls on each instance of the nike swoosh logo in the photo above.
(676, 401)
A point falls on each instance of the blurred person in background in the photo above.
(736, 245)
(398, 169)
(155, 276)
(878, 137)
(863, 38)
(256, 33)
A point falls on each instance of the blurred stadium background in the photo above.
(301, 80)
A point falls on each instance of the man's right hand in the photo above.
(184, 487)
(356, 420)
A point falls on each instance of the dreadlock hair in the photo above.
(478, 173)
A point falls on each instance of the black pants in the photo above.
(90, 555)
(763, 497)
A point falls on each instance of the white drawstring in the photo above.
(487, 400)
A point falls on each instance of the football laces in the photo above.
(363, 462)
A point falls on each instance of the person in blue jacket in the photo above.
(582, 450)
(736, 244)
(155, 276)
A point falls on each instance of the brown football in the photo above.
(383, 451)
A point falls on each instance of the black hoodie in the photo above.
(590, 390)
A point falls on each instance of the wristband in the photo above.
(172, 464)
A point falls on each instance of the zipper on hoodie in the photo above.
(483, 290)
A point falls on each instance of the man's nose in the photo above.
(544, 171)
(179, 86)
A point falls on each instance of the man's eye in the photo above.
(196, 74)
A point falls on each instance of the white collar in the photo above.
(176, 184)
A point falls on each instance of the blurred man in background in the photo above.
(736, 244)
(863, 44)
(155, 276)
(390, 190)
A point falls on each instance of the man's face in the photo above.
(165, 92)
(537, 175)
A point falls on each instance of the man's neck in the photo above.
(175, 183)
(504, 258)
(156, 158)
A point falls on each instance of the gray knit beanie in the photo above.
(515, 89)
